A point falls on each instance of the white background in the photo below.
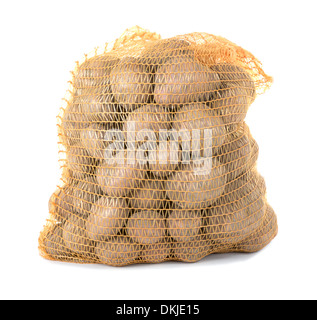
(40, 42)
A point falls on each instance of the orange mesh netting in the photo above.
(157, 161)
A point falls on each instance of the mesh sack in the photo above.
(157, 161)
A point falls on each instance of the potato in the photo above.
(146, 227)
(182, 79)
(184, 225)
(148, 117)
(236, 94)
(95, 140)
(96, 105)
(262, 236)
(79, 161)
(248, 171)
(76, 239)
(131, 83)
(95, 72)
(254, 153)
(245, 184)
(199, 116)
(165, 161)
(54, 245)
(107, 217)
(158, 252)
(196, 188)
(149, 195)
(61, 203)
(71, 124)
(233, 219)
(192, 251)
(236, 152)
(160, 51)
(118, 180)
(74, 198)
(92, 139)
(84, 193)
(118, 251)
(252, 160)
(93, 100)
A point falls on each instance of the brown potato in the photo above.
(118, 251)
(118, 180)
(234, 218)
(76, 239)
(96, 105)
(184, 225)
(95, 140)
(107, 217)
(74, 198)
(235, 154)
(182, 79)
(158, 52)
(252, 161)
(79, 161)
(248, 171)
(146, 227)
(131, 83)
(192, 251)
(263, 235)
(148, 117)
(199, 116)
(93, 99)
(157, 252)
(95, 72)
(236, 94)
(54, 245)
(84, 193)
(245, 184)
(61, 203)
(189, 190)
(166, 160)
(71, 124)
(254, 154)
(92, 139)
(149, 195)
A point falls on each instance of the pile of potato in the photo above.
(152, 211)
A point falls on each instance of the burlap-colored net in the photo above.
(157, 161)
